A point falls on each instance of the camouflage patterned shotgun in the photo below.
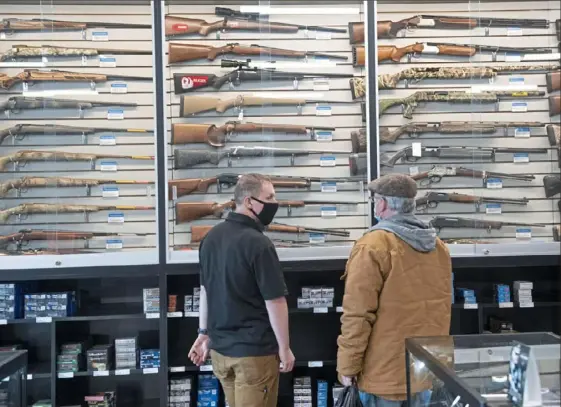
(24, 183)
(14, 25)
(24, 52)
(40, 208)
(410, 102)
(23, 156)
(16, 104)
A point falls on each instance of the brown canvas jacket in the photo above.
(392, 292)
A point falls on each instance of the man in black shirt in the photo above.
(243, 310)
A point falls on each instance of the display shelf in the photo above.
(537, 304)
(39, 371)
(118, 373)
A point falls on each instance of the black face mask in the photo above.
(267, 213)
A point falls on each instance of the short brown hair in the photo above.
(249, 185)
(394, 185)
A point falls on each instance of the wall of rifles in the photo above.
(96, 178)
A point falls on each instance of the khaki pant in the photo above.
(250, 381)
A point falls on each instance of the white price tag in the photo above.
(45, 60)
(328, 187)
(152, 315)
(519, 107)
(109, 166)
(107, 62)
(327, 161)
(122, 372)
(116, 218)
(416, 149)
(321, 84)
(339, 309)
(101, 373)
(324, 136)
(506, 305)
(514, 31)
(177, 369)
(29, 377)
(494, 183)
(526, 305)
(523, 132)
(191, 314)
(178, 314)
(107, 140)
(206, 368)
(3, 322)
(413, 171)
(43, 320)
(471, 306)
(119, 88)
(115, 114)
(493, 208)
(316, 238)
(523, 233)
(113, 244)
(516, 80)
(328, 211)
(512, 57)
(65, 375)
(323, 110)
(521, 158)
(2, 35)
(100, 36)
(315, 363)
(110, 191)
(321, 310)
(320, 35)
(150, 370)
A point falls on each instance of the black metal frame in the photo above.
(11, 366)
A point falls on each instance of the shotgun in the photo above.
(13, 25)
(20, 51)
(432, 199)
(16, 104)
(437, 172)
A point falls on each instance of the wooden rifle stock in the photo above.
(358, 141)
(395, 54)
(553, 81)
(198, 233)
(356, 33)
(189, 185)
(182, 133)
(359, 57)
(554, 105)
(190, 52)
(190, 211)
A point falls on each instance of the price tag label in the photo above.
(150, 370)
(101, 373)
(44, 60)
(117, 217)
(100, 36)
(471, 306)
(177, 369)
(315, 363)
(523, 233)
(522, 132)
(494, 183)
(327, 161)
(514, 31)
(519, 107)
(107, 140)
(516, 80)
(122, 372)
(175, 314)
(321, 84)
(506, 305)
(113, 244)
(119, 87)
(152, 315)
(43, 320)
(328, 187)
(323, 35)
(206, 368)
(416, 149)
(3, 322)
(115, 114)
(191, 314)
(413, 171)
(107, 62)
(339, 309)
(316, 238)
(65, 375)
(321, 310)
(328, 211)
(323, 110)
(526, 305)
(513, 57)
(493, 208)
(324, 136)
(108, 166)
(110, 191)
(521, 158)
(29, 377)
(2, 35)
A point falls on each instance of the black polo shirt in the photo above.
(240, 269)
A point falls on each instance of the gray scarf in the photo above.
(413, 231)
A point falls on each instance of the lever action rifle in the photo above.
(24, 183)
(13, 25)
(16, 104)
(437, 172)
(47, 209)
(183, 82)
(183, 26)
(187, 186)
(36, 75)
(190, 52)
(553, 81)
(217, 136)
(21, 157)
(190, 105)
(441, 222)
(199, 232)
(471, 153)
(554, 105)
(189, 158)
(413, 130)
(190, 211)
(410, 102)
(19, 131)
(24, 52)
(432, 199)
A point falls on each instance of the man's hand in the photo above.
(287, 359)
(200, 350)
(348, 381)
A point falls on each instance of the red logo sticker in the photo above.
(193, 82)
(180, 27)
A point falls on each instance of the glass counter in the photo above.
(13, 371)
(472, 370)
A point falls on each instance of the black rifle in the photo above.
(187, 82)
(17, 103)
(441, 222)
(472, 153)
(432, 199)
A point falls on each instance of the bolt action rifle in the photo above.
(16, 104)
(14, 25)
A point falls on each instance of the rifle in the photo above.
(19, 131)
(12, 25)
(217, 136)
(472, 153)
(356, 33)
(190, 105)
(15, 104)
(189, 158)
(390, 29)
(227, 180)
(416, 128)
(41, 208)
(190, 211)
(24, 183)
(26, 235)
(23, 156)
(437, 172)
(410, 102)
(552, 185)
(27, 51)
(36, 75)
(191, 52)
(183, 83)
(43, 252)
(441, 222)
(553, 81)
(554, 105)
(199, 232)
(431, 200)
(180, 26)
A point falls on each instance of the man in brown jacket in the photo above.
(398, 285)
